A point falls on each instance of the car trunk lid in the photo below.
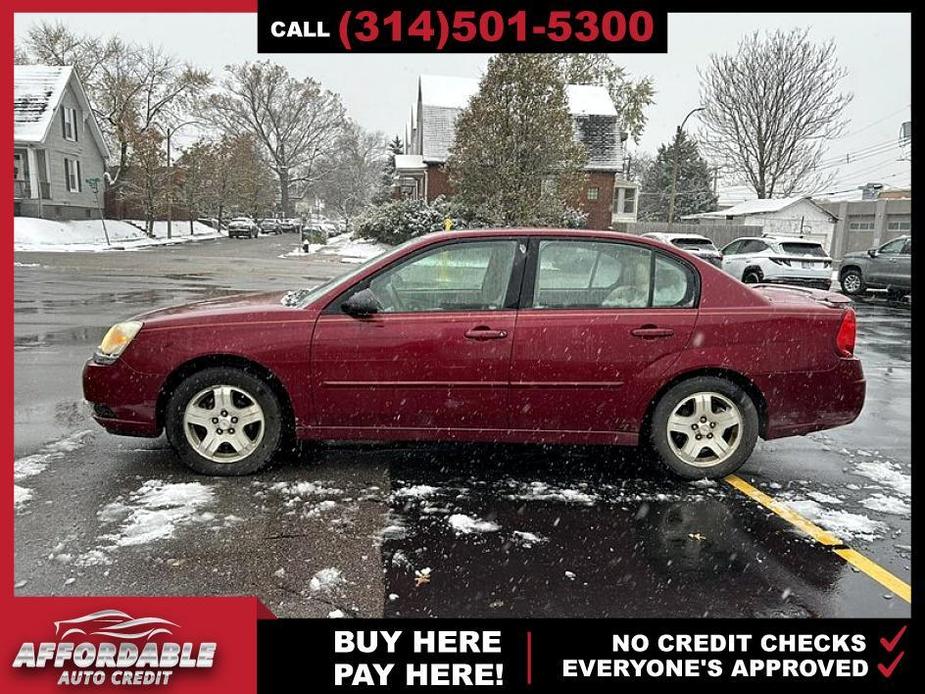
(786, 294)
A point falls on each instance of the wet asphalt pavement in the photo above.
(429, 530)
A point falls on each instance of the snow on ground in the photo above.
(418, 491)
(154, 511)
(886, 474)
(466, 525)
(887, 504)
(527, 539)
(31, 465)
(325, 580)
(540, 491)
(345, 246)
(46, 235)
(843, 524)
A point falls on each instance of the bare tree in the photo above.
(352, 173)
(771, 109)
(52, 43)
(294, 120)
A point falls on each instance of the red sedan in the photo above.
(587, 337)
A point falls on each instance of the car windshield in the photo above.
(304, 297)
(694, 244)
(812, 249)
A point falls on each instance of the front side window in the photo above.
(471, 276)
(894, 246)
(601, 274)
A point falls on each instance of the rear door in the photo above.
(600, 322)
(436, 355)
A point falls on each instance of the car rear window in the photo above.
(813, 249)
(694, 244)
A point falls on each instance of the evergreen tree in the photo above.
(694, 188)
(515, 160)
(395, 146)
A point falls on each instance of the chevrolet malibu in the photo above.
(550, 336)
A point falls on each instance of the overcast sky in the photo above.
(378, 90)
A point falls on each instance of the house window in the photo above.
(624, 200)
(69, 121)
(19, 169)
(899, 226)
(72, 175)
(594, 193)
(860, 226)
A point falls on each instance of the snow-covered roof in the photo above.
(443, 97)
(454, 92)
(409, 162)
(754, 207)
(37, 93)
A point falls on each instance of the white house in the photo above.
(58, 149)
(795, 216)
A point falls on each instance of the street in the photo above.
(430, 530)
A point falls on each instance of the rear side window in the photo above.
(601, 274)
(694, 244)
(811, 249)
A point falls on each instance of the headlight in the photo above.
(117, 339)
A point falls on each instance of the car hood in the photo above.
(856, 254)
(234, 308)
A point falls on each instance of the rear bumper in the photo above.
(122, 400)
(800, 403)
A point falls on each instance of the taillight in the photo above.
(780, 261)
(847, 331)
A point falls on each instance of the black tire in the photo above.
(852, 282)
(747, 432)
(752, 276)
(256, 389)
(894, 294)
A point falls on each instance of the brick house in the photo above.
(420, 172)
(57, 145)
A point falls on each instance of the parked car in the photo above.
(699, 245)
(290, 225)
(779, 260)
(479, 336)
(270, 226)
(242, 227)
(887, 267)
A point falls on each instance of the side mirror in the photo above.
(363, 303)
(873, 252)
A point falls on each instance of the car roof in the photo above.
(556, 233)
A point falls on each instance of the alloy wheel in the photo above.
(704, 429)
(223, 424)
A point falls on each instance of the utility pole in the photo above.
(674, 168)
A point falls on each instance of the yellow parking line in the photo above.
(823, 537)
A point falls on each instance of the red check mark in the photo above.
(888, 671)
(891, 644)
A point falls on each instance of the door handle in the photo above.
(650, 332)
(483, 332)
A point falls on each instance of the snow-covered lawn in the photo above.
(346, 247)
(32, 234)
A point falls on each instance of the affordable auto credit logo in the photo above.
(111, 646)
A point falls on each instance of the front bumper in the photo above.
(122, 400)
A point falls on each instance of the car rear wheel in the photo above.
(852, 282)
(224, 421)
(705, 427)
(752, 276)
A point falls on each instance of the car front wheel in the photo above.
(852, 282)
(224, 421)
(705, 427)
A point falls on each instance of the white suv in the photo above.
(779, 260)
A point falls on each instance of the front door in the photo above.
(600, 324)
(888, 265)
(435, 355)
